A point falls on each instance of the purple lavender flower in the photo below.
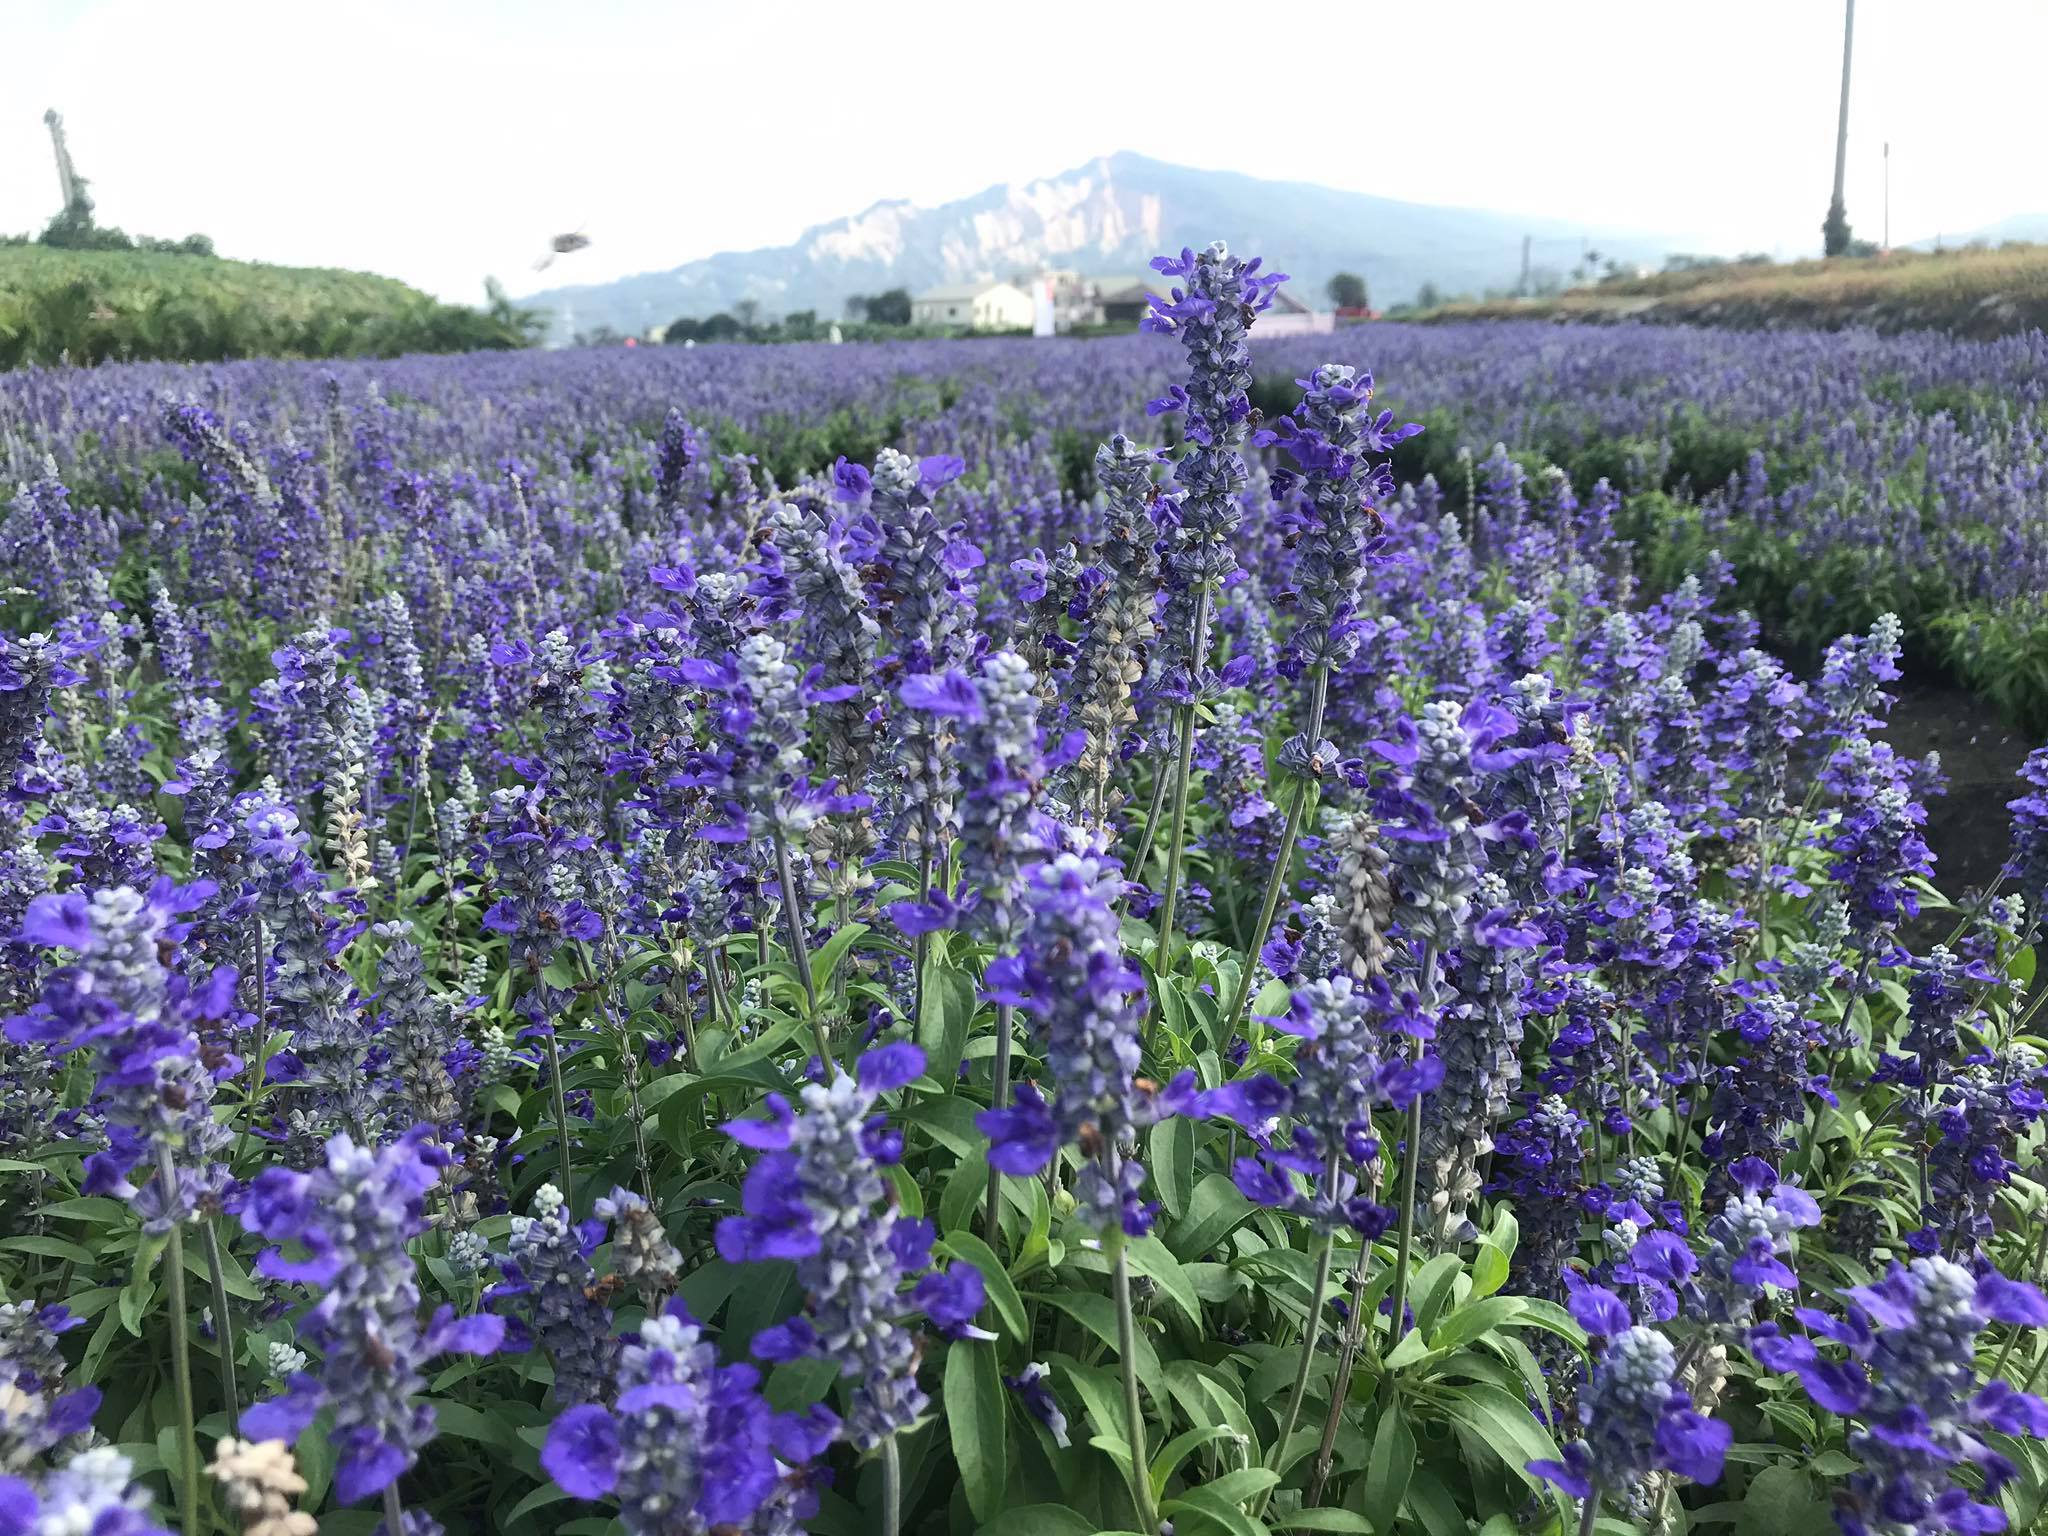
(548, 1267)
(1910, 1384)
(92, 1493)
(821, 1198)
(36, 1413)
(353, 1217)
(140, 1023)
(1637, 1420)
(1071, 979)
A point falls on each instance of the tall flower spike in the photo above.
(1910, 1385)
(1071, 979)
(819, 1196)
(353, 1217)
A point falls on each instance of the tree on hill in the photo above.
(1347, 291)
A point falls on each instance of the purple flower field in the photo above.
(1028, 938)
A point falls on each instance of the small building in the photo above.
(1123, 300)
(982, 306)
(1288, 316)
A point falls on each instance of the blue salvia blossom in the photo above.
(139, 1021)
(36, 1413)
(1541, 1159)
(353, 1217)
(2027, 866)
(1111, 653)
(1426, 813)
(547, 1267)
(1637, 1418)
(92, 1494)
(677, 454)
(416, 1029)
(1978, 1120)
(1001, 771)
(1342, 1072)
(1876, 840)
(1330, 436)
(821, 1197)
(1531, 799)
(642, 1255)
(921, 578)
(1478, 1044)
(1071, 979)
(690, 1446)
(1851, 694)
(1211, 316)
(300, 710)
(1761, 1096)
(1910, 1385)
(1747, 1242)
(539, 904)
(1033, 1388)
(31, 668)
(755, 767)
(310, 992)
(201, 721)
(570, 686)
(809, 575)
(110, 846)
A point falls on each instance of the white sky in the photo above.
(441, 140)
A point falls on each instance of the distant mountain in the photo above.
(1110, 216)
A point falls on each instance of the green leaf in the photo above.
(1489, 1270)
(1152, 1258)
(966, 1189)
(1179, 1448)
(1173, 1163)
(1503, 1423)
(1431, 1506)
(831, 952)
(1473, 1319)
(1098, 1315)
(1433, 1289)
(1215, 1210)
(975, 1423)
(1039, 1520)
(1781, 1501)
(1216, 1507)
(943, 1023)
(1392, 1462)
(1323, 1520)
(1002, 1293)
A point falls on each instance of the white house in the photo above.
(983, 306)
(1290, 317)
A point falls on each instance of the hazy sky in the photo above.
(441, 141)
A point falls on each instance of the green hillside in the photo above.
(1978, 292)
(97, 306)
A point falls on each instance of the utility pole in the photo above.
(67, 178)
(1835, 231)
(1887, 194)
(1522, 288)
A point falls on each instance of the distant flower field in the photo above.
(1021, 938)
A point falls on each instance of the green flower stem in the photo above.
(1589, 1511)
(1411, 1163)
(892, 1488)
(1340, 1386)
(394, 1510)
(1311, 1331)
(181, 1375)
(1183, 769)
(1283, 860)
(800, 952)
(999, 1094)
(1134, 1411)
(223, 1327)
(559, 1095)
